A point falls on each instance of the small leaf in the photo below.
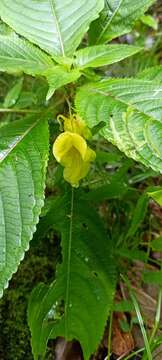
(124, 326)
(101, 55)
(138, 215)
(156, 244)
(132, 254)
(23, 161)
(149, 21)
(59, 76)
(123, 306)
(156, 195)
(153, 277)
(13, 94)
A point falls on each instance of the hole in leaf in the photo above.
(94, 273)
(56, 312)
(84, 225)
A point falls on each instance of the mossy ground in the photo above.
(38, 265)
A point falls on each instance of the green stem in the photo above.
(140, 319)
(157, 317)
(69, 264)
(134, 353)
(23, 111)
(109, 336)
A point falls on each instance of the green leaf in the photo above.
(141, 176)
(101, 55)
(152, 73)
(131, 254)
(123, 306)
(13, 94)
(156, 244)
(140, 95)
(149, 21)
(23, 160)
(114, 190)
(124, 325)
(117, 19)
(139, 214)
(18, 55)
(56, 26)
(59, 76)
(85, 280)
(132, 110)
(111, 158)
(156, 194)
(153, 277)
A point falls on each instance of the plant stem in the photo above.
(157, 317)
(140, 319)
(134, 353)
(109, 336)
(69, 264)
(23, 111)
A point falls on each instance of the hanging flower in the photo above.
(71, 151)
(76, 125)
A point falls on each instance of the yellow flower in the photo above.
(76, 125)
(71, 150)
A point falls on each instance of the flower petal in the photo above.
(73, 167)
(80, 144)
(62, 145)
(90, 155)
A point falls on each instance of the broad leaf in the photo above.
(152, 73)
(56, 26)
(85, 280)
(117, 18)
(23, 160)
(103, 55)
(132, 112)
(18, 55)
